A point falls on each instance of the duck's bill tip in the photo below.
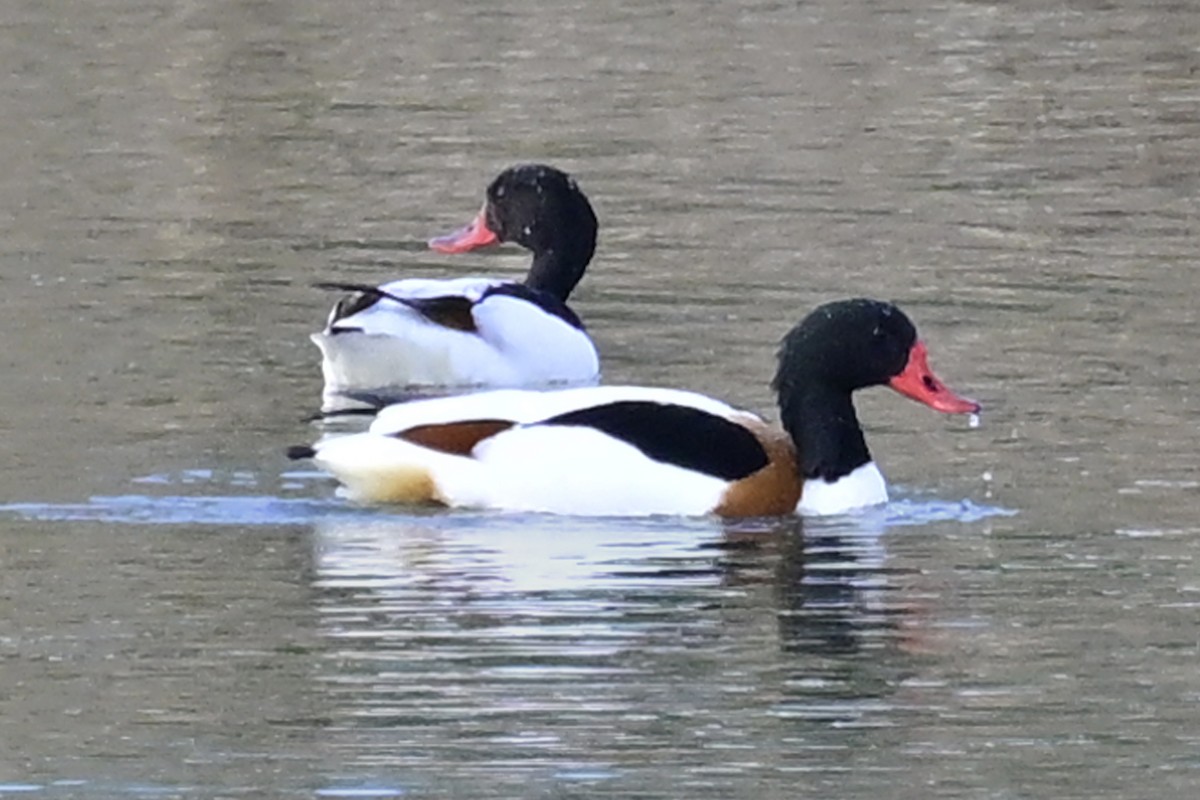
(918, 382)
(475, 235)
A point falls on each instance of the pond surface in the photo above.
(187, 614)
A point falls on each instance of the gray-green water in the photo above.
(186, 614)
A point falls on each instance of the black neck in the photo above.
(556, 269)
(823, 424)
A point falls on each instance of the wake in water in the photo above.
(226, 508)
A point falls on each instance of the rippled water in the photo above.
(188, 616)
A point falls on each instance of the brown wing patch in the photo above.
(450, 312)
(772, 490)
(455, 438)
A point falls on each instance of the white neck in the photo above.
(862, 487)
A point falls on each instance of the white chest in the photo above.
(862, 487)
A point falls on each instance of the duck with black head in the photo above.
(630, 450)
(417, 336)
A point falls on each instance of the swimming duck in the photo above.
(628, 450)
(419, 335)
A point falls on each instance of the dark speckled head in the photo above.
(848, 345)
(542, 209)
(838, 348)
(538, 207)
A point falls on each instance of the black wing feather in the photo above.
(680, 435)
(450, 311)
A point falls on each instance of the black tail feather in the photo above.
(365, 288)
(343, 412)
(299, 451)
(340, 286)
(376, 400)
(365, 295)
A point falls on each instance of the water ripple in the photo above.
(139, 509)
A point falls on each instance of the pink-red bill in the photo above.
(918, 382)
(477, 234)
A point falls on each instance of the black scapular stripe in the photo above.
(679, 435)
(364, 296)
(449, 311)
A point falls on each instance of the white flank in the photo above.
(862, 487)
(561, 469)
(575, 470)
(515, 344)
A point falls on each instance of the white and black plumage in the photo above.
(624, 450)
(418, 335)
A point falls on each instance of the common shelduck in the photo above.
(417, 336)
(624, 450)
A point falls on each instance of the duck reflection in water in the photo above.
(827, 585)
